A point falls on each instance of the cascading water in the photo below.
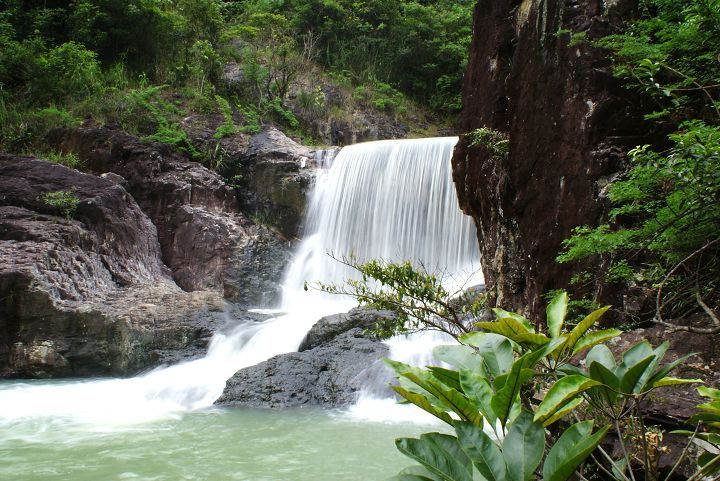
(390, 199)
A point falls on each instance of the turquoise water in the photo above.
(215, 444)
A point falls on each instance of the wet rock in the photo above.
(568, 120)
(87, 293)
(201, 230)
(275, 178)
(331, 374)
(329, 327)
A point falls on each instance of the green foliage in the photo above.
(418, 297)
(495, 142)
(68, 70)
(69, 159)
(663, 231)
(667, 207)
(495, 375)
(228, 127)
(64, 200)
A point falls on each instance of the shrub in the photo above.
(63, 200)
(66, 71)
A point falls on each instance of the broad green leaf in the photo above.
(652, 368)
(416, 473)
(666, 369)
(583, 326)
(595, 338)
(570, 450)
(441, 454)
(508, 385)
(523, 447)
(629, 377)
(602, 354)
(565, 409)
(458, 356)
(495, 350)
(477, 388)
(674, 381)
(482, 450)
(423, 403)
(556, 312)
(639, 352)
(515, 330)
(457, 402)
(448, 397)
(605, 376)
(500, 313)
(449, 377)
(708, 392)
(561, 393)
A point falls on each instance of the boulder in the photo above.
(331, 374)
(275, 178)
(329, 327)
(83, 291)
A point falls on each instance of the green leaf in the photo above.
(666, 369)
(565, 409)
(561, 393)
(423, 403)
(594, 338)
(459, 356)
(482, 450)
(583, 326)
(500, 313)
(448, 377)
(507, 387)
(440, 454)
(556, 312)
(674, 381)
(602, 354)
(629, 377)
(523, 447)
(514, 330)
(570, 450)
(708, 392)
(710, 463)
(495, 350)
(478, 389)
(416, 473)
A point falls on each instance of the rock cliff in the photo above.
(534, 76)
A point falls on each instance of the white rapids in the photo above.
(389, 199)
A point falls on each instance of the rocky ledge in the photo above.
(84, 291)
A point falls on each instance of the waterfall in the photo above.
(389, 199)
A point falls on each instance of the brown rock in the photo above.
(569, 122)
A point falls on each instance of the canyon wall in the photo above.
(535, 76)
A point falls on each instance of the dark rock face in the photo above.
(331, 326)
(86, 295)
(568, 120)
(330, 375)
(275, 179)
(202, 233)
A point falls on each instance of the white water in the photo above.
(390, 199)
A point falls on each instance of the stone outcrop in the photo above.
(331, 326)
(568, 122)
(330, 374)
(274, 180)
(204, 236)
(87, 293)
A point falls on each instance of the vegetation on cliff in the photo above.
(145, 65)
(663, 230)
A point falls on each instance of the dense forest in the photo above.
(141, 65)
